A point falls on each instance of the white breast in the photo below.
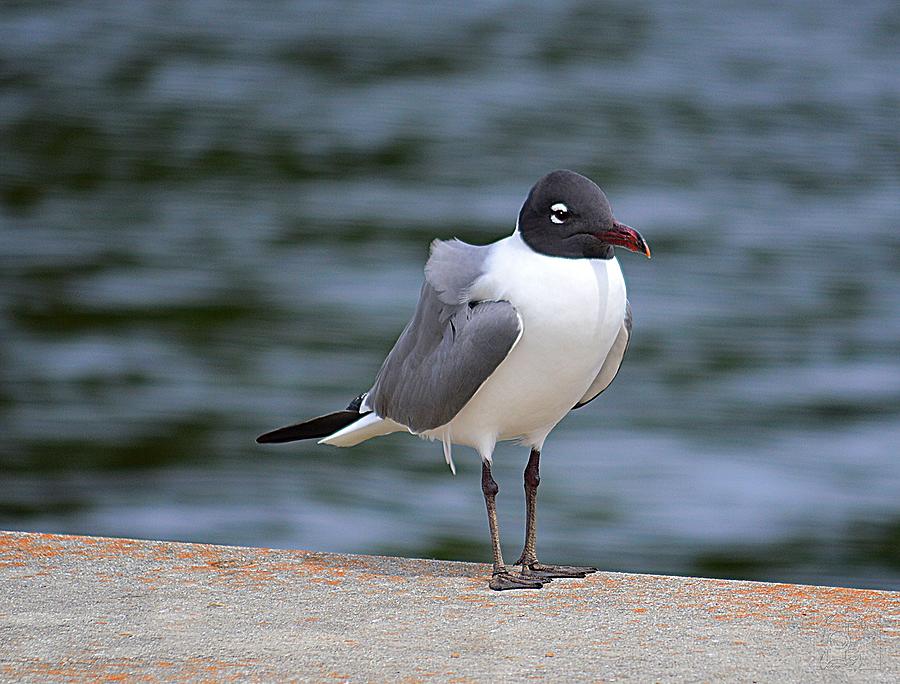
(571, 312)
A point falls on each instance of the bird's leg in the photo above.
(532, 480)
(531, 567)
(501, 578)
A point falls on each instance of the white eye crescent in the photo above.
(559, 212)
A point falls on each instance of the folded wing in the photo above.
(613, 362)
(450, 347)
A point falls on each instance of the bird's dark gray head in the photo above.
(567, 215)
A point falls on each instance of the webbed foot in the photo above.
(501, 581)
(542, 572)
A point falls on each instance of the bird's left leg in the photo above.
(531, 567)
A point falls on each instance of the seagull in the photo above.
(506, 339)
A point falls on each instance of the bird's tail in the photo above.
(316, 428)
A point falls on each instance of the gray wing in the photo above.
(613, 362)
(452, 268)
(449, 348)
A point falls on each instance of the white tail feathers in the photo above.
(370, 425)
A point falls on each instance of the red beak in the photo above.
(624, 236)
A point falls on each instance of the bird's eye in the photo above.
(559, 212)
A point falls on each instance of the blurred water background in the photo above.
(215, 217)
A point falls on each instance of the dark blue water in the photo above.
(215, 216)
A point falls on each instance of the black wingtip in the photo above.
(267, 438)
(311, 429)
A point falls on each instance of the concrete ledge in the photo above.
(82, 608)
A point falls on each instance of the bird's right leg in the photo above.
(501, 578)
(531, 567)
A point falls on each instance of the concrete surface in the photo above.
(82, 608)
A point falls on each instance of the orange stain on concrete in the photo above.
(803, 607)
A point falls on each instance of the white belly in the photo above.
(571, 310)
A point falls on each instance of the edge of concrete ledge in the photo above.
(87, 608)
